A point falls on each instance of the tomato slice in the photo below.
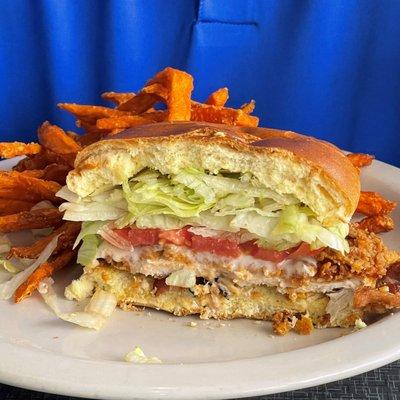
(180, 237)
(303, 250)
(139, 237)
(262, 253)
(226, 247)
(277, 256)
(220, 247)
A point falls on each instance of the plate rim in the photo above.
(195, 376)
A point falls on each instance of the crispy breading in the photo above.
(304, 325)
(376, 299)
(368, 256)
(376, 223)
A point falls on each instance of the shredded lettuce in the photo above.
(224, 201)
(89, 228)
(88, 250)
(137, 356)
(95, 314)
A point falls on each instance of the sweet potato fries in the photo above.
(42, 173)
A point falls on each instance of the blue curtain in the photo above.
(328, 68)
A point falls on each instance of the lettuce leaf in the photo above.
(89, 228)
(224, 201)
(88, 250)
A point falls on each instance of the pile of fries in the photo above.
(28, 193)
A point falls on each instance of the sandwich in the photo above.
(227, 222)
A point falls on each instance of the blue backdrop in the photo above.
(329, 68)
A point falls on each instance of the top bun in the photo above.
(314, 171)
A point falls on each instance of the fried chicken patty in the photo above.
(368, 257)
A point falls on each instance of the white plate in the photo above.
(210, 361)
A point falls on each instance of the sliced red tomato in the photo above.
(262, 253)
(139, 237)
(119, 240)
(303, 250)
(180, 237)
(220, 247)
(226, 247)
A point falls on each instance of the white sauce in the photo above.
(244, 270)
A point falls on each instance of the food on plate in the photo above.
(137, 356)
(10, 150)
(43, 271)
(225, 222)
(219, 97)
(34, 219)
(360, 160)
(376, 223)
(372, 203)
(192, 209)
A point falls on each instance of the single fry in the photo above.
(14, 206)
(140, 103)
(68, 233)
(131, 120)
(117, 98)
(56, 158)
(219, 97)
(372, 203)
(377, 223)
(92, 112)
(122, 122)
(157, 89)
(19, 186)
(360, 160)
(249, 107)
(179, 87)
(43, 271)
(35, 173)
(54, 138)
(14, 149)
(92, 133)
(228, 116)
(35, 161)
(53, 172)
(56, 173)
(36, 219)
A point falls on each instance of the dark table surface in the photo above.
(380, 384)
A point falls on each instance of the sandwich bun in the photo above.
(314, 171)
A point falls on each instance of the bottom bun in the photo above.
(301, 311)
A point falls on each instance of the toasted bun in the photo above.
(257, 302)
(316, 172)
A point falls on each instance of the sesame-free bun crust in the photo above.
(314, 171)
